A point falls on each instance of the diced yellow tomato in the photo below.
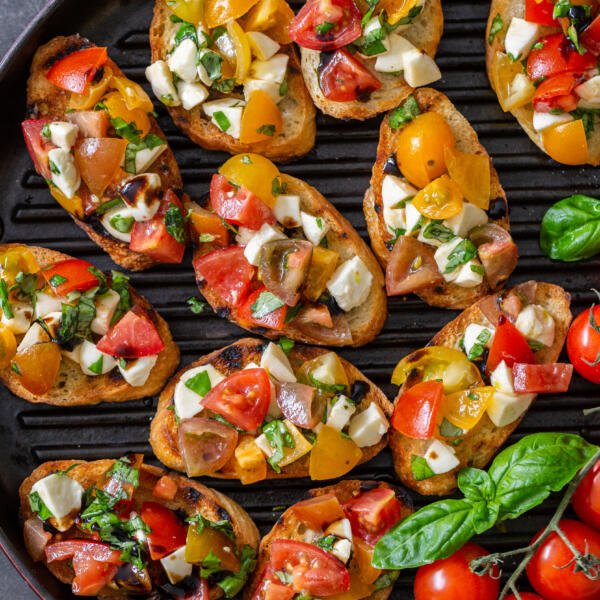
(210, 225)
(243, 53)
(98, 161)
(333, 455)
(16, 260)
(567, 143)
(93, 95)
(441, 199)
(273, 17)
(249, 462)
(199, 545)
(512, 93)
(188, 10)
(301, 446)
(363, 554)
(37, 367)
(133, 94)
(117, 107)
(72, 205)
(465, 408)
(322, 266)
(254, 172)
(358, 588)
(397, 9)
(219, 12)
(326, 369)
(471, 172)
(261, 119)
(8, 346)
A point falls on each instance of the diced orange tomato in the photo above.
(440, 199)
(322, 266)
(273, 17)
(319, 512)
(465, 409)
(503, 73)
(567, 143)
(165, 488)
(37, 367)
(72, 205)
(249, 461)
(471, 172)
(301, 446)
(358, 588)
(219, 12)
(363, 554)
(8, 346)
(117, 107)
(98, 160)
(132, 93)
(206, 223)
(333, 455)
(200, 545)
(261, 119)
(93, 94)
(396, 9)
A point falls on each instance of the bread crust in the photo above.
(298, 111)
(73, 387)
(482, 442)
(45, 100)
(192, 497)
(447, 294)
(233, 358)
(425, 32)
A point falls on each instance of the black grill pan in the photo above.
(339, 166)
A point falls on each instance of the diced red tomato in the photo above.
(91, 123)
(373, 513)
(70, 275)
(238, 205)
(542, 379)
(556, 55)
(152, 237)
(344, 78)
(540, 12)
(247, 315)
(558, 92)
(416, 411)
(270, 587)
(168, 531)
(313, 570)
(590, 37)
(165, 488)
(227, 272)
(508, 345)
(76, 71)
(243, 398)
(319, 512)
(133, 336)
(37, 145)
(326, 24)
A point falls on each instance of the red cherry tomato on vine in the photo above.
(552, 570)
(451, 578)
(583, 344)
(586, 500)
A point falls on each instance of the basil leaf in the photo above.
(222, 121)
(265, 304)
(37, 506)
(224, 526)
(405, 113)
(120, 284)
(186, 31)
(104, 208)
(286, 344)
(420, 469)
(233, 584)
(526, 472)
(123, 471)
(436, 231)
(478, 347)
(4, 302)
(447, 429)
(196, 305)
(211, 61)
(96, 366)
(175, 223)
(122, 224)
(461, 254)
(199, 384)
(496, 28)
(435, 531)
(326, 542)
(476, 485)
(277, 187)
(485, 515)
(279, 438)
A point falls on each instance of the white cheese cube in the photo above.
(351, 284)
(589, 104)
(412, 216)
(472, 333)
(269, 87)
(470, 274)
(440, 457)
(244, 235)
(393, 60)
(420, 69)
(368, 427)
(62, 496)
(469, 217)
(21, 320)
(231, 109)
(287, 211)
(340, 412)
(146, 203)
(506, 408)
(536, 324)
(119, 214)
(93, 362)
(160, 78)
(262, 46)
(175, 566)
(64, 172)
(329, 365)
(188, 403)
(46, 304)
(520, 37)
(341, 529)
(191, 94)
(146, 157)
(502, 378)
(63, 134)
(136, 372)
(395, 191)
(273, 69)
(342, 550)
(263, 443)
(106, 305)
(267, 233)
(544, 120)
(589, 90)
(34, 335)
(315, 228)
(183, 60)
(442, 255)
(276, 363)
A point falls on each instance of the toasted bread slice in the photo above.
(425, 32)
(297, 110)
(289, 527)
(233, 358)
(366, 320)
(191, 498)
(447, 294)
(507, 9)
(73, 387)
(482, 442)
(46, 101)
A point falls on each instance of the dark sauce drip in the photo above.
(391, 166)
(497, 209)
(359, 390)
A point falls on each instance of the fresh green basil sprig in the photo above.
(520, 478)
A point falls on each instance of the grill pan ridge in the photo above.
(339, 167)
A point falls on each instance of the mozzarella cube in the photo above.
(395, 191)
(160, 78)
(34, 335)
(469, 217)
(72, 354)
(21, 319)
(175, 566)
(470, 274)
(589, 90)
(342, 550)
(46, 304)
(119, 214)
(146, 157)
(262, 46)
(64, 172)
(368, 427)
(351, 284)
(136, 372)
(267, 233)
(341, 529)
(412, 216)
(440, 457)
(329, 365)
(287, 211)
(340, 412)
(471, 336)
(506, 408)
(442, 255)
(191, 94)
(536, 324)
(315, 228)
(544, 120)
(244, 235)
(502, 378)
(269, 87)
(520, 37)
(92, 361)
(420, 69)
(231, 109)
(188, 403)
(393, 60)
(61, 495)
(183, 60)
(63, 134)
(106, 305)
(276, 363)
(273, 69)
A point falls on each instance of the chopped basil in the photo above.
(334, 388)
(461, 254)
(372, 43)
(277, 187)
(478, 269)
(96, 367)
(435, 230)
(224, 85)
(284, 577)
(196, 305)
(283, 88)
(120, 283)
(54, 168)
(222, 121)
(420, 469)
(279, 438)
(15, 367)
(211, 61)
(404, 113)
(46, 131)
(199, 384)
(57, 280)
(233, 584)
(104, 208)
(4, 302)
(535, 345)
(206, 238)
(175, 223)
(122, 470)
(265, 304)
(246, 160)
(186, 31)
(413, 13)
(327, 542)
(201, 522)
(128, 131)
(447, 429)
(479, 346)
(267, 129)
(496, 28)
(37, 506)
(324, 28)
(386, 579)
(122, 224)
(286, 344)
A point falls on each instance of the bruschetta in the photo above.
(120, 528)
(361, 58)
(465, 393)
(435, 210)
(230, 76)
(541, 58)
(334, 533)
(72, 335)
(276, 258)
(259, 410)
(92, 136)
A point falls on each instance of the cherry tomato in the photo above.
(416, 410)
(206, 223)
(373, 513)
(37, 145)
(326, 24)
(332, 455)
(75, 72)
(566, 143)
(540, 12)
(314, 571)
(586, 500)
(552, 572)
(320, 511)
(252, 172)
(583, 343)
(248, 315)
(243, 398)
(99, 160)
(133, 336)
(451, 578)
(590, 37)
(441, 199)
(261, 119)
(508, 345)
(557, 93)
(168, 531)
(37, 367)
(8, 345)
(70, 275)
(549, 378)
(556, 54)
(91, 123)
(219, 12)
(345, 79)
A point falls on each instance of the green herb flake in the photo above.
(462, 253)
(447, 429)
(478, 347)
(96, 367)
(37, 506)
(122, 470)
(286, 344)
(267, 129)
(122, 224)
(420, 469)
(196, 305)
(222, 121)
(496, 28)
(277, 187)
(279, 437)
(327, 542)
(199, 384)
(324, 28)
(265, 304)
(200, 522)
(233, 584)
(404, 113)
(4, 301)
